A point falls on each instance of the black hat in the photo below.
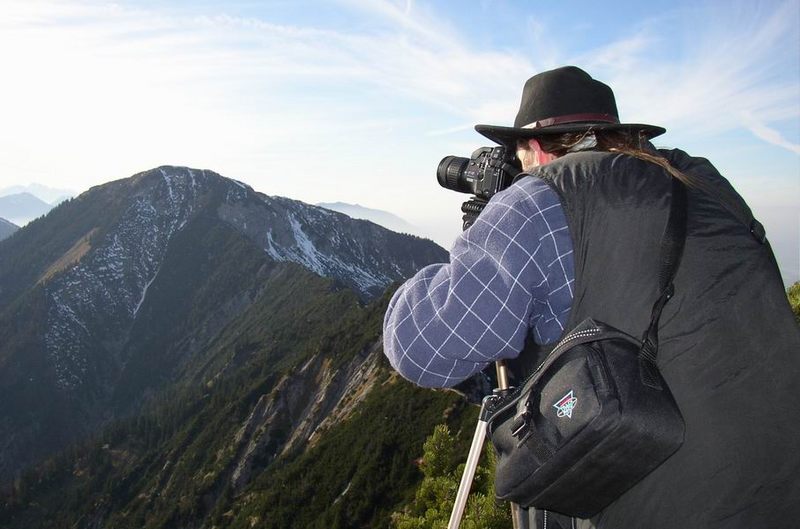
(566, 99)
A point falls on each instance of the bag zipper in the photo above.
(568, 338)
(512, 397)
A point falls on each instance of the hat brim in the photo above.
(508, 136)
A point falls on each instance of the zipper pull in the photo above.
(521, 427)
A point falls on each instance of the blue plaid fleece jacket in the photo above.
(511, 273)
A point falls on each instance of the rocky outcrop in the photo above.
(301, 406)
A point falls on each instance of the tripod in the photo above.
(471, 210)
(475, 452)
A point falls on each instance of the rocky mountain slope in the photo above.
(330, 439)
(172, 278)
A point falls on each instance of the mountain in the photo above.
(169, 283)
(21, 208)
(382, 218)
(47, 194)
(331, 439)
(7, 228)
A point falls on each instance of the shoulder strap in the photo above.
(672, 244)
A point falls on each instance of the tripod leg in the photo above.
(517, 520)
(502, 383)
(475, 454)
(469, 474)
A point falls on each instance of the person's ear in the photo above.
(541, 156)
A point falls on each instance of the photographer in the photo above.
(578, 235)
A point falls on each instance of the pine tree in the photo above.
(436, 494)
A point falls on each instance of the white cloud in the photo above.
(716, 70)
(722, 70)
(770, 135)
(95, 83)
(100, 91)
(179, 65)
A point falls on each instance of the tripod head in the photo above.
(471, 209)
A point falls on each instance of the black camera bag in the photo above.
(586, 426)
(596, 416)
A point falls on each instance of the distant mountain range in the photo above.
(7, 228)
(180, 314)
(380, 217)
(45, 193)
(21, 208)
(22, 204)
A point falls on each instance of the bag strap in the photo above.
(672, 244)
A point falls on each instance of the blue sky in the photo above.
(358, 100)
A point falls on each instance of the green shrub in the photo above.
(436, 494)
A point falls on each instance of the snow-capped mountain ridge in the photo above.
(173, 276)
(106, 288)
(96, 300)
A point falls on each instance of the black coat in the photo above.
(729, 343)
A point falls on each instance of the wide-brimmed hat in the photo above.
(566, 99)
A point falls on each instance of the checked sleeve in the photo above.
(510, 273)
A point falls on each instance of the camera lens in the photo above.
(450, 173)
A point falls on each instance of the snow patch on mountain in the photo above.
(65, 340)
(323, 241)
(305, 252)
(94, 301)
(103, 293)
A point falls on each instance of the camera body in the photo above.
(488, 171)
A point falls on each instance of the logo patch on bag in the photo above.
(566, 404)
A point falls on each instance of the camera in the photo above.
(488, 171)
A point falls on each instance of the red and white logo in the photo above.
(566, 404)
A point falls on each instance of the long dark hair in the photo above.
(632, 143)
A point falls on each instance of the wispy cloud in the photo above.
(297, 106)
(770, 135)
(172, 81)
(702, 68)
(719, 69)
(151, 85)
